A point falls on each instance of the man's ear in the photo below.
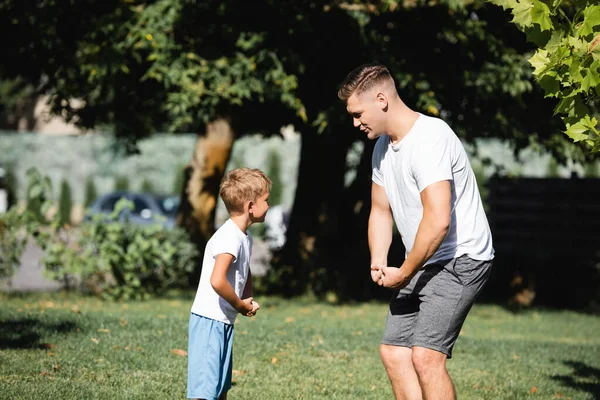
(382, 100)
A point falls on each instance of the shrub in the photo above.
(119, 260)
(273, 171)
(179, 179)
(14, 232)
(147, 186)
(90, 192)
(65, 202)
(39, 195)
(121, 183)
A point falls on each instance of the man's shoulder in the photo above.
(435, 126)
(381, 144)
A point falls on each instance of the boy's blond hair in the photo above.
(241, 185)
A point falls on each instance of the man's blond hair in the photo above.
(241, 185)
(363, 78)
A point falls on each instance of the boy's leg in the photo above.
(209, 358)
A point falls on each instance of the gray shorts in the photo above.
(430, 311)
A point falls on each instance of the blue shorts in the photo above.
(209, 358)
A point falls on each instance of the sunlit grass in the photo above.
(68, 347)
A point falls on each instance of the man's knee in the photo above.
(427, 361)
(394, 355)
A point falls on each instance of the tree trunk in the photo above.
(202, 177)
(326, 251)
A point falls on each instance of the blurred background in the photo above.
(152, 101)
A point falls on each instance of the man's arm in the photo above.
(436, 199)
(380, 230)
(223, 288)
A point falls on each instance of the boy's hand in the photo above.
(247, 308)
(255, 308)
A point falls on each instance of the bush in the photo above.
(121, 183)
(14, 232)
(90, 192)
(65, 202)
(39, 195)
(274, 173)
(119, 260)
(147, 186)
(179, 179)
(11, 186)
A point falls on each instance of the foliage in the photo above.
(65, 202)
(567, 62)
(178, 180)
(145, 64)
(121, 183)
(12, 185)
(147, 186)
(15, 96)
(591, 170)
(176, 65)
(90, 193)
(15, 229)
(119, 260)
(553, 168)
(273, 171)
(39, 194)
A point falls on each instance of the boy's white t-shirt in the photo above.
(431, 152)
(227, 239)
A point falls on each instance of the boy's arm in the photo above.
(223, 288)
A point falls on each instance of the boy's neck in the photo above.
(242, 221)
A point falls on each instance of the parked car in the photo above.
(146, 207)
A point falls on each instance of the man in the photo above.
(423, 181)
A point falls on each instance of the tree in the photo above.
(205, 67)
(567, 61)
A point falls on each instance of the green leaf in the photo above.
(582, 129)
(540, 61)
(594, 48)
(540, 14)
(550, 85)
(505, 4)
(592, 79)
(522, 13)
(591, 19)
(577, 132)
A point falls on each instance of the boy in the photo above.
(225, 287)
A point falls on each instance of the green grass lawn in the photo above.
(56, 346)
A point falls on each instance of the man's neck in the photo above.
(401, 121)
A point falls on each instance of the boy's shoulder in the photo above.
(228, 232)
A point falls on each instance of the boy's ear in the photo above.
(250, 204)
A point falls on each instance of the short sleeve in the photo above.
(376, 161)
(432, 160)
(227, 243)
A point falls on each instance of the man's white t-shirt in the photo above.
(227, 239)
(431, 152)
